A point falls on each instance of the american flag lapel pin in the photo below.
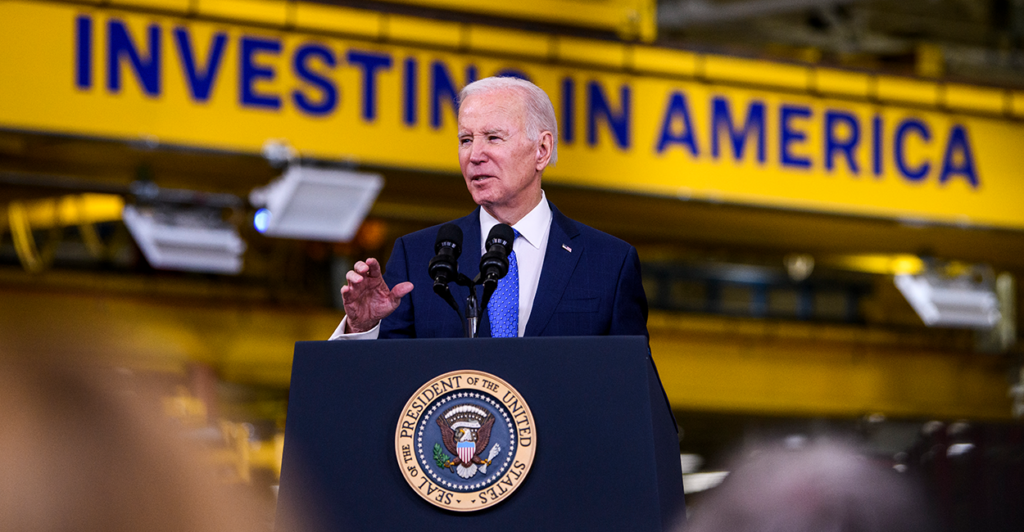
(567, 248)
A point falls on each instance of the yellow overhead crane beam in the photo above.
(706, 363)
(877, 263)
(630, 19)
(617, 56)
(64, 211)
(790, 368)
(54, 214)
(347, 85)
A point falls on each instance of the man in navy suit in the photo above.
(570, 279)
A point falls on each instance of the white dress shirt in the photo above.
(533, 229)
(530, 248)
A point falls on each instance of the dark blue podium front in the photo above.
(607, 455)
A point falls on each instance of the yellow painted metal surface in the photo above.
(510, 42)
(130, 75)
(159, 330)
(665, 61)
(909, 91)
(979, 99)
(177, 6)
(1017, 104)
(23, 218)
(879, 264)
(423, 31)
(753, 72)
(75, 209)
(800, 369)
(271, 12)
(335, 19)
(608, 54)
(631, 19)
(705, 363)
(842, 83)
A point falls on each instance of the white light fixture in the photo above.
(950, 302)
(958, 449)
(178, 239)
(315, 203)
(690, 463)
(698, 482)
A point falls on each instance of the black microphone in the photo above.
(494, 263)
(444, 268)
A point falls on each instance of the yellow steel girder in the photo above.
(775, 367)
(706, 363)
(82, 210)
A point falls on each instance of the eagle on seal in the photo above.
(465, 431)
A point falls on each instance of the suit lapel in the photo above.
(469, 262)
(559, 263)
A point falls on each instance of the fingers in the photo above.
(347, 295)
(353, 278)
(370, 268)
(360, 274)
(362, 270)
(400, 290)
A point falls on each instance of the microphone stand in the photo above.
(474, 308)
(442, 266)
(472, 314)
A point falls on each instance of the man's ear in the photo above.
(544, 147)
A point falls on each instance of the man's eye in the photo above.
(464, 140)
(493, 138)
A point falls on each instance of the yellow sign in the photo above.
(118, 74)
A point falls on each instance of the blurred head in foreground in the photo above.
(823, 487)
(74, 456)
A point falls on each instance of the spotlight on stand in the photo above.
(185, 239)
(965, 301)
(315, 203)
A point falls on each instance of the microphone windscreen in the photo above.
(501, 234)
(450, 235)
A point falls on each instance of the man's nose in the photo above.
(478, 150)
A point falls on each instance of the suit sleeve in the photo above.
(629, 316)
(401, 323)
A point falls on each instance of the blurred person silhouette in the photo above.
(75, 456)
(819, 487)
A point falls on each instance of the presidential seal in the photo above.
(465, 440)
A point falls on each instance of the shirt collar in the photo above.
(531, 227)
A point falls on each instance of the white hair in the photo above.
(540, 113)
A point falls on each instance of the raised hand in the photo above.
(367, 297)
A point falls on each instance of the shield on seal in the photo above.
(466, 450)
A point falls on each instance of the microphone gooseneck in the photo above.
(444, 268)
(494, 263)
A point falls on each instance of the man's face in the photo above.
(501, 165)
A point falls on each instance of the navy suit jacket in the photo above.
(589, 285)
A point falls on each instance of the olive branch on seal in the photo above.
(442, 459)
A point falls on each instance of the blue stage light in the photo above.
(261, 220)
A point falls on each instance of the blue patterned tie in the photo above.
(503, 309)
